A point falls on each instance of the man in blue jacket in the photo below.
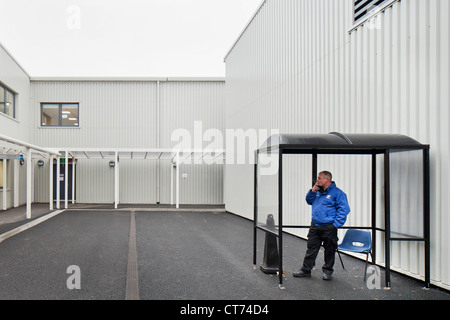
(329, 212)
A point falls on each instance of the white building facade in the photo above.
(310, 67)
(17, 124)
(132, 114)
(113, 113)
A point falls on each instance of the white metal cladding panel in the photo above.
(111, 114)
(16, 79)
(201, 184)
(138, 181)
(183, 104)
(296, 68)
(95, 181)
(193, 109)
(134, 122)
(41, 182)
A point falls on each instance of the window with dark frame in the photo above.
(7, 101)
(362, 8)
(59, 114)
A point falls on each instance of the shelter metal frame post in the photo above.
(426, 212)
(387, 217)
(280, 217)
(255, 207)
(374, 206)
(314, 167)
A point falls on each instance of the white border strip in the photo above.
(28, 225)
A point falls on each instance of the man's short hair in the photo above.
(327, 174)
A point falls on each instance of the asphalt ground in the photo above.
(181, 256)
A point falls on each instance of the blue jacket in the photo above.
(329, 207)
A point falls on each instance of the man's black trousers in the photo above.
(317, 235)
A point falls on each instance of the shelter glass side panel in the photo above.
(297, 180)
(406, 194)
(267, 190)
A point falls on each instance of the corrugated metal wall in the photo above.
(185, 103)
(132, 114)
(15, 78)
(297, 68)
(111, 114)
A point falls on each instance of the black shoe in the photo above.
(301, 274)
(327, 277)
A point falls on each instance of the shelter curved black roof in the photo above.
(336, 140)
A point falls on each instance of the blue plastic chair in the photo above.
(358, 241)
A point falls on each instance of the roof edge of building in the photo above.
(126, 79)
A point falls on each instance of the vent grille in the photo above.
(362, 8)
